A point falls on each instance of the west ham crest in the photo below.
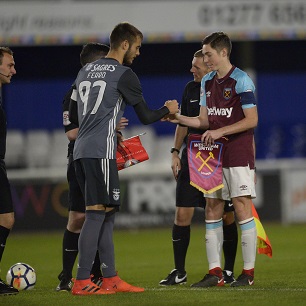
(227, 93)
(205, 164)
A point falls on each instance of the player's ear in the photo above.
(125, 45)
(224, 52)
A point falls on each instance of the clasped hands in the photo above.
(173, 107)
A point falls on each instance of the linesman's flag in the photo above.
(263, 242)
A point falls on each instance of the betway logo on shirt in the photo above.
(219, 111)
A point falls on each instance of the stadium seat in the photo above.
(37, 148)
(162, 156)
(58, 149)
(15, 144)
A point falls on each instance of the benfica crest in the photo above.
(205, 164)
(116, 194)
(227, 93)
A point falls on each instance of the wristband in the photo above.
(175, 150)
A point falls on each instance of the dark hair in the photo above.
(92, 52)
(198, 53)
(218, 41)
(124, 31)
(4, 50)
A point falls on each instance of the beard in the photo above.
(127, 59)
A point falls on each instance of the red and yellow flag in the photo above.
(263, 242)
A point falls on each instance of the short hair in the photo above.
(4, 50)
(92, 52)
(124, 31)
(198, 53)
(218, 41)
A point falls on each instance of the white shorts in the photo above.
(238, 181)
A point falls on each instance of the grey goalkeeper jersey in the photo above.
(103, 89)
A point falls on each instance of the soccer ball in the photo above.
(21, 276)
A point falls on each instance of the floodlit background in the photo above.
(47, 37)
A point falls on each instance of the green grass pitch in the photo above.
(144, 257)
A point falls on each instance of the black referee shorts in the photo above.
(75, 196)
(99, 181)
(6, 203)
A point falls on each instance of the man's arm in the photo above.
(147, 115)
(71, 129)
(72, 134)
(73, 112)
(248, 122)
(198, 122)
(129, 86)
(180, 134)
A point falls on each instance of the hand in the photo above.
(120, 138)
(173, 106)
(173, 118)
(176, 164)
(122, 124)
(209, 137)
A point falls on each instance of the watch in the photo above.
(175, 150)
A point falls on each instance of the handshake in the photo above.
(173, 107)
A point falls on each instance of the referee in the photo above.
(7, 70)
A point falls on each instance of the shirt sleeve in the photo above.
(130, 88)
(73, 108)
(247, 99)
(245, 88)
(184, 101)
(202, 92)
(68, 125)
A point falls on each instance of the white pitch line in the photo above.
(232, 289)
